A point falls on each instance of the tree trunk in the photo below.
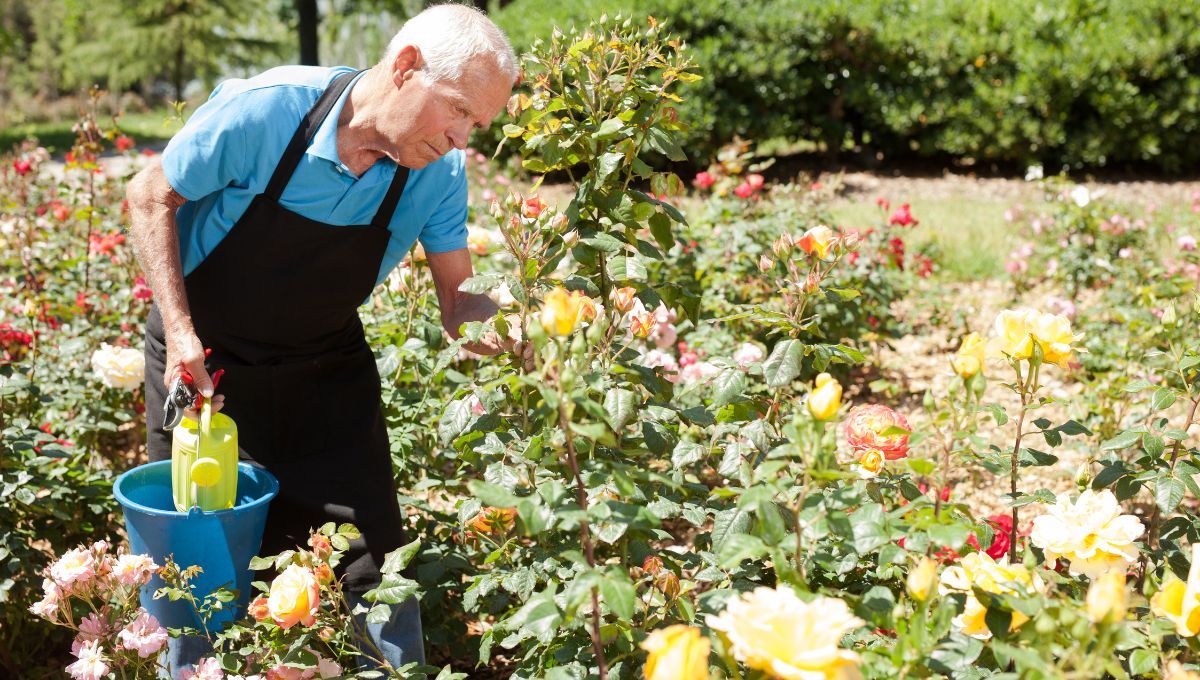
(307, 26)
(178, 74)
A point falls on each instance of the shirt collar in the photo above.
(324, 142)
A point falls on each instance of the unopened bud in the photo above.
(765, 263)
(812, 284)
(323, 573)
(326, 633)
(668, 583)
(851, 241)
(1083, 476)
(783, 246)
(571, 237)
(652, 565)
(496, 210)
(321, 547)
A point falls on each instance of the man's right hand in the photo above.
(186, 353)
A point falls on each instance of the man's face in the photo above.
(431, 118)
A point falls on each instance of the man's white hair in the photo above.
(450, 37)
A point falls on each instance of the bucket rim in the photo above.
(270, 493)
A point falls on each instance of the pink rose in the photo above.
(91, 664)
(748, 355)
(703, 180)
(743, 190)
(144, 635)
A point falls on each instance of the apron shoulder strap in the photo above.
(383, 216)
(304, 134)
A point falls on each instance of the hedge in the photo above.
(1077, 83)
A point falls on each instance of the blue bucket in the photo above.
(222, 542)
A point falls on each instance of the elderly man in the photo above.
(274, 212)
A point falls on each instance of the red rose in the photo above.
(124, 143)
(22, 166)
(903, 217)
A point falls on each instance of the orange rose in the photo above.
(259, 609)
(294, 597)
(865, 427)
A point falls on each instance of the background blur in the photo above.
(1107, 85)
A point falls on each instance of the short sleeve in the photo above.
(210, 152)
(446, 229)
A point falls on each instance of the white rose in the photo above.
(119, 367)
(747, 355)
(1081, 196)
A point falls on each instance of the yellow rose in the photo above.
(294, 597)
(774, 631)
(870, 463)
(1017, 332)
(562, 312)
(978, 569)
(922, 580)
(676, 653)
(826, 398)
(1179, 601)
(1106, 598)
(970, 357)
(817, 241)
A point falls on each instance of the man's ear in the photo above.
(406, 63)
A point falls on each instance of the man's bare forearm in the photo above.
(152, 206)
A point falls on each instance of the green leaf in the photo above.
(870, 528)
(608, 128)
(618, 593)
(739, 547)
(398, 559)
(660, 228)
(1168, 492)
(662, 142)
(607, 164)
(1143, 662)
(784, 363)
(952, 536)
(1153, 444)
(481, 283)
(454, 420)
(686, 453)
(490, 494)
(393, 590)
(1163, 398)
(728, 386)
(626, 267)
(1122, 441)
(727, 524)
(540, 616)
(620, 405)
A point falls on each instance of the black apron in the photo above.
(277, 302)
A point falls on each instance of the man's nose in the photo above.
(458, 135)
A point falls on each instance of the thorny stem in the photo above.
(1152, 534)
(585, 534)
(1028, 387)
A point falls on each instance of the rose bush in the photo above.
(698, 478)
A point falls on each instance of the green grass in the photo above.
(150, 127)
(969, 236)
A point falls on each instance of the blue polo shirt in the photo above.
(224, 156)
